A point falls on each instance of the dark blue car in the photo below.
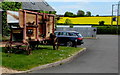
(69, 38)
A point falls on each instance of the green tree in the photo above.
(88, 13)
(52, 12)
(97, 15)
(68, 21)
(69, 14)
(13, 6)
(80, 13)
(101, 22)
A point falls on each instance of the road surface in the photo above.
(101, 57)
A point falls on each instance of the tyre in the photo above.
(69, 44)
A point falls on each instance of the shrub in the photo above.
(12, 6)
(108, 30)
(68, 21)
(101, 22)
(71, 26)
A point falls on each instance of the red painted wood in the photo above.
(24, 31)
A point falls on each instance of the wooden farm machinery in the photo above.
(34, 28)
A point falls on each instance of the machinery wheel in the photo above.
(57, 44)
(8, 47)
(28, 49)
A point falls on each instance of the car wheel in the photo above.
(69, 44)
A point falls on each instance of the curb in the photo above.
(57, 63)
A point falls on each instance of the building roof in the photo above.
(44, 6)
(34, 5)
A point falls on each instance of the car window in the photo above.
(65, 33)
(56, 33)
(72, 34)
(68, 34)
(60, 33)
(79, 35)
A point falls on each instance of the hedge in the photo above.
(108, 30)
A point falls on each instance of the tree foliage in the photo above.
(97, 15)
(88, 13)
(48, 12)
(69, 14)
(68, 22)
(80, 13)
(101, 22)
(12, 6)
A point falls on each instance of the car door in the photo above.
(62, 37)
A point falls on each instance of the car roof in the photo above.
(66, 31)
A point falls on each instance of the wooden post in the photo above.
(53, 24)
(44, 26)
(37, 30)
(24, 25)
(11, 33)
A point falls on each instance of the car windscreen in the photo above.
(79, 35)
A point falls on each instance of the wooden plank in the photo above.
(50, 26)
(21, 18)
(40, 25)
(31, 18)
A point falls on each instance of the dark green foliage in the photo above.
(69, 14)
(12, 6)
(88, 13)
(68, 21)
(52, 12)
(80, 13)
(71, 26)
(97, 15)
(101, 22)
(5, 27)
(108, 30)
(48, 12)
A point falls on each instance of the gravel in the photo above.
(7, 70)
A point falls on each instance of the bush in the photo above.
(101, 22)
(68, 21)
(12, 6)
(108, 30)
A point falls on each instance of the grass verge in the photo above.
(44, 55)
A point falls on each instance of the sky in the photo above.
(103, 7)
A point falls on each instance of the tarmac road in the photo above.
(101, 57)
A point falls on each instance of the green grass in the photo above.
(39, 57)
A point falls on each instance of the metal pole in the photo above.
(117, 14)
(117, 17)
(112, 15)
